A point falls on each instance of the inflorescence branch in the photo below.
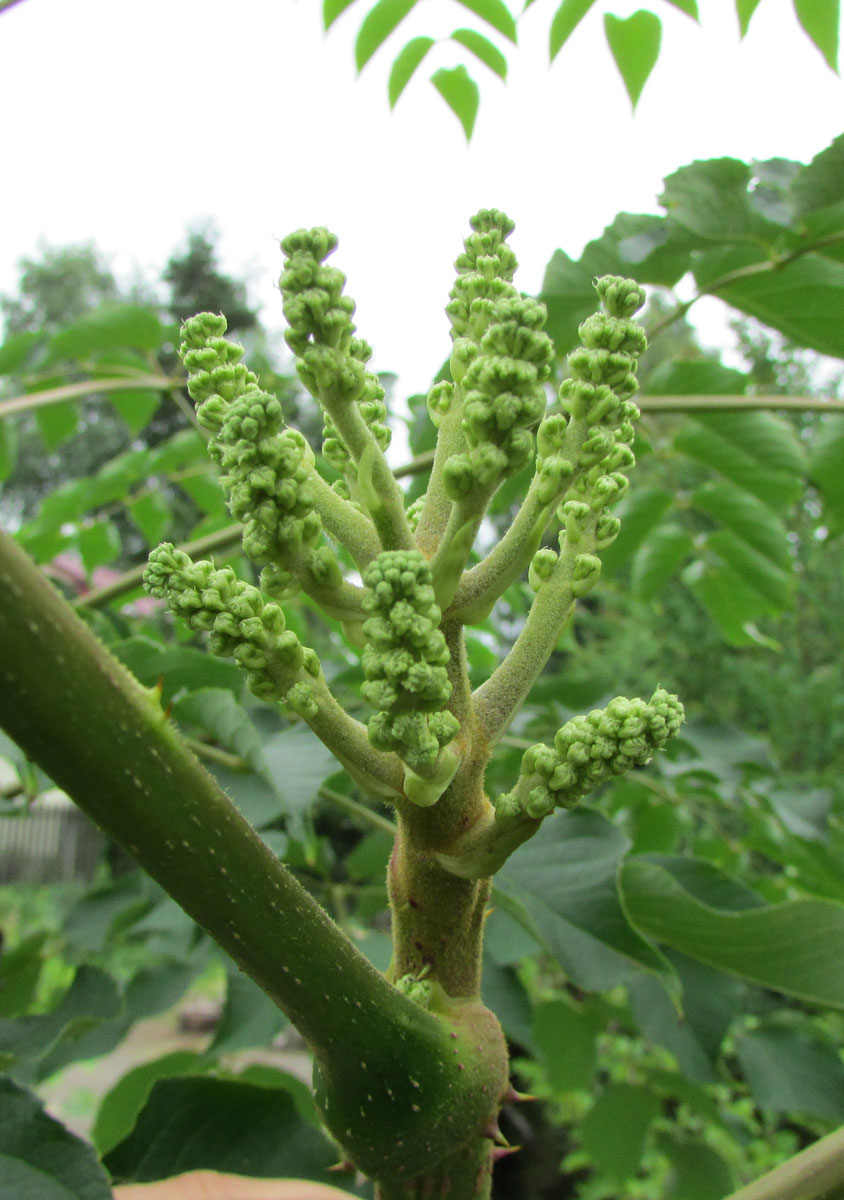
(427, 730)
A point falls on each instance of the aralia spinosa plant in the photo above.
(415, 1105)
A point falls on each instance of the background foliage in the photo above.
(666, 962)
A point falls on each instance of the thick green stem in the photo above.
(465, 1175)
(817, 1173)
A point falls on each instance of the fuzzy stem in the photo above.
(499, 699)
(377, 772)
(456, 544)
(437, 507)
(377, 486)
(343, 522)
(481, 586)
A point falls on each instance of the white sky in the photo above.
(123, 122)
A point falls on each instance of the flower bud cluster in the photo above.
(240, 623)
(405, 661)
(265, 474)
(589, 750)
(503, 396)
(265, 468)
(597, 394)
(216, 375)
(485, 272)
(321, 335)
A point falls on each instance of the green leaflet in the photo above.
(332, 9)
(755, 450)
(802, 299)
(99, 544)
(57, 423)
(791, 1071)
(39, 1157)
(483, 49)
(744, 11)
(180, 1128)
(821, 19)
(136, 406)
(15, 351)
(495, 13)
(748, 517)
(825, 471)
(659, 559)
(120, 1106)
(689, 7)
(151, 513)
(460, 93)
(107, 328)
(377, 26)
(821, 183)
(566, 19)
(614, 1130)
(796, 947)
(634, 44)
(563, 885)
(733, 604)
(404, 65)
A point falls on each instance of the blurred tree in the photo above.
(57, 287)
(198, 285)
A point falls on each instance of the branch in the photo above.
(499, 699)
(376, 486)
(680, 404)
(87, 387)
(816, 1173)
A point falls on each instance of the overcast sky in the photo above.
(125, 122)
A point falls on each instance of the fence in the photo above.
(50, 843)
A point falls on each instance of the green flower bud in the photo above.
(587, 571)
(542, 567)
